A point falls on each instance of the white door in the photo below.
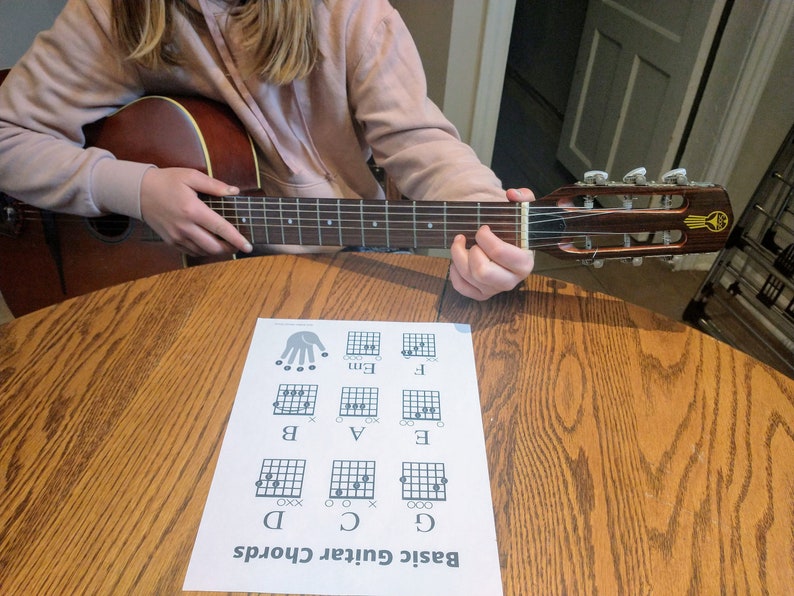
(638, 71)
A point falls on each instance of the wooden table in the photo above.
(628, 453)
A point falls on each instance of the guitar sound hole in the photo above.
(110, 228)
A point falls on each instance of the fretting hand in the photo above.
(490, 266)
(171, 207)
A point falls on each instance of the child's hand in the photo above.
(171, 206)
(491, 265)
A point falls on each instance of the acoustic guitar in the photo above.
(47, 257)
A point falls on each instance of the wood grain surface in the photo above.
(628, 453)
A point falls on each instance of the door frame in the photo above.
(478, 49)
(742, 71)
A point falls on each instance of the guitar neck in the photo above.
(558, 223)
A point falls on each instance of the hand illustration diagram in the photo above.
(301, 345)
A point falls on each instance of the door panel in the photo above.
(638, 70)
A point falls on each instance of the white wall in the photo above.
(747, 108)
(20, 21)
(768, 128)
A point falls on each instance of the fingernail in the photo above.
(232, 190)
(248, 247)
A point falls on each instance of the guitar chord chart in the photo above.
(363, 343)
(421, 345)
(352, 479)
(359, 401)
(281, 478)
(421, 404)
(295, 399)
(423, 481)
(347, 458)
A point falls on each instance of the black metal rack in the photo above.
(747, 298)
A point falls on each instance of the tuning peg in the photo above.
(594, 263)
(636, 176)
(676, 176)
(598, 177)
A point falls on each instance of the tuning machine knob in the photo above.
(633, 261)
(636, 176)
(594, 263)
(676, 176)
(597, 177)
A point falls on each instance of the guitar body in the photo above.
(46, 257)
(33, 277)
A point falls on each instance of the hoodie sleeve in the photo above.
(409, 135)
(72, 75)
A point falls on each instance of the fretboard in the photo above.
(375, 223)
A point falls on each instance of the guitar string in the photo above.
(353, 228)
(287, 227)
(510, 212)
(336, 209)
(534, 242)
(510, 216)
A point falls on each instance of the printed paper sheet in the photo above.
(353, 463)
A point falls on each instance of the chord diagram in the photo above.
(281, 478)
(359, 401)
(363, 343)
(419, 345)
(423, 481)
(421, 404)
(352, 479)
(295, 399)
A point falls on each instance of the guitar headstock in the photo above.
(600, 219)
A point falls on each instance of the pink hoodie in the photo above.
(367, 95)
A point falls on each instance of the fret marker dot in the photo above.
(429, 226)
(289, 221)
(374, 224)
(245, 220)
(329, 222)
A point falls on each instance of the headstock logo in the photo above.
(716, 221)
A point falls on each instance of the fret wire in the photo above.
(250, 221)
(517, 237)
(319, 226)
(281, 218)
(446, 238)
(339, 220)
(298, 218)
(416, 241)
(386, 217)
(264, 223)
(361, 218)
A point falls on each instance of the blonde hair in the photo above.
(279, 34)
